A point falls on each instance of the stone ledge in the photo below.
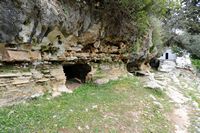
(9, 75)
(42, 80)
(20, 81)
(3, 85)
(12, 55)
(26, 74)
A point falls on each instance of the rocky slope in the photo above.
(182, 87)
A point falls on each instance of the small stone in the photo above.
(130, 74)
(114, 78)
(36, 95)
(153, 97)
(97, 44)
(141, 73)
(94, 107)
(158, 104)
(153, 85)
(87, 127)
(79, 128)
(63, 88)
(77, 49)
(72, 58)
(48, 98)
(101, 81)
(56, 94)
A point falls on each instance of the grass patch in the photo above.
(196, 63)
(118, 106)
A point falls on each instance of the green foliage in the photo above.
(190, 42)
(147, 15)
(140, 10)
(154, 7)
(142, 23)
(190, 13)
(179, 51)
(136, 46)
(196, 63)
(185, 19)
(157, 34)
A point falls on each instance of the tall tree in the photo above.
(191, 15)
(184, 26)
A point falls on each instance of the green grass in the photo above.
(118, 106)
(196, 63)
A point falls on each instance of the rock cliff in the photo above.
(62, 30)
(44, 35)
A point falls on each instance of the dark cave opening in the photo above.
(76, 71)
(154, 63)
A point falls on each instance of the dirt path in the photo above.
(180, 86)
(180, 114)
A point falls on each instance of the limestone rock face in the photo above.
(63, 30)
(43, 35)
(72, 31)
